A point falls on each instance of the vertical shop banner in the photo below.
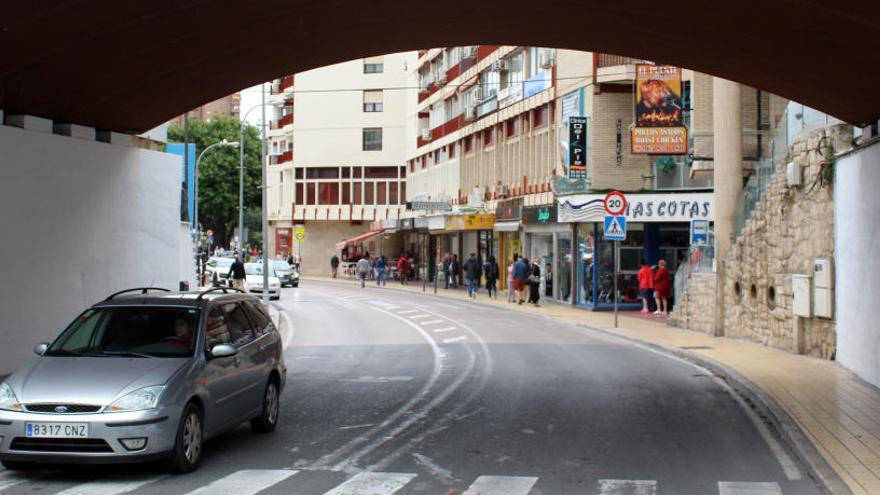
(659, 125)
(577, 147)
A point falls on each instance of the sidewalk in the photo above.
(828, 415)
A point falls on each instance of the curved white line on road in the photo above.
(349, 464)
(335, 456)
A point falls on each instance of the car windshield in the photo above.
(281, 265)
(223, 262)
(253, 269)
(131, 331)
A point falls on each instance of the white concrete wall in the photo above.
(81, 219)
(857, 228)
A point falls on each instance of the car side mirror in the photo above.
(41, 348)
(223, 350)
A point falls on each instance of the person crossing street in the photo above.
(473, 271)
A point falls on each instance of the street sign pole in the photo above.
(616, 256)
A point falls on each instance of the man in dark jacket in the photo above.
(453, 271)
(521, 272)
(237, 274)
(334, 266)
(447, 260)
(472, 272)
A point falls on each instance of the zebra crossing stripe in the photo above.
(245, 482)
(373, 484)
(441, 330)
(432, 322)
(748, 488)
(408, 311)
(109, 486)
(453, 340)
(625, 487)
(501, 485)
(419, 317)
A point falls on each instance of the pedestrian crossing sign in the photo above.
(615, 228)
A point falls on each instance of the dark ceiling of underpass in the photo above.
(128, 66)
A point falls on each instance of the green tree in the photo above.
(218, 173)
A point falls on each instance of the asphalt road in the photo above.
(390, 392)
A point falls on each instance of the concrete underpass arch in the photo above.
(132, 66)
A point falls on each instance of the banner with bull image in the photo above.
(659, 125)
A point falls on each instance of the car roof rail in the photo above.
(143, 290)
(217, 289)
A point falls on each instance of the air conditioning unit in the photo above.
(499, 65)
(545, 59)
(426, 134)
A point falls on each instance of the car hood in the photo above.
(258, 280)
(89, 380)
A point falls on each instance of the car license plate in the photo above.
(57, 430)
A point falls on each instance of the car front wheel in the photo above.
(268, 418)
(189, 442)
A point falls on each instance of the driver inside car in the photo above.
(182, 334)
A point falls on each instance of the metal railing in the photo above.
(700, 259)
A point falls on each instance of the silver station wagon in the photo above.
(145, 374)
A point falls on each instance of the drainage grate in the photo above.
(696, 347)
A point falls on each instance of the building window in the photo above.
(310, 194)
(346, 193)
(328, 193)
(452, 151)
(322, 173)
(512, 126)
(370, 193)
(540, 116)
(374, 65)
(436, 156)
(373, 100)
(488, 137)
(373, 139)
(392, 196)
(357, 193)
(469, 144)
(382, 193)
(424, 160)
(381, 173)
(412, 166)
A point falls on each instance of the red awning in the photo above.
(359, 238)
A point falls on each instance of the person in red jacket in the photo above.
(661, 288)
(403, 269)
(646, 285)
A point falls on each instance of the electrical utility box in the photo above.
(823, 288)
(801, 300)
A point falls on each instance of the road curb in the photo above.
(776, 418)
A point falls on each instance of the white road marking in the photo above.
(453, 340)
(408, 311)
(625, 487)
(432, 322)
(419, 317)
(444, 329)
(109, 486)
(501, 485)
(377, 379)
(245, 482)
(748, 488)
(373, 484)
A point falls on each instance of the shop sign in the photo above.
(436, 223)
(455, 222)
(428, 206)
(505, 213)
(641, 207)
(407, 224)
(537, 83)
(563, 186)
(540, 215)
(421, 222)
(659, 125)
(481, 221)
(577, 147)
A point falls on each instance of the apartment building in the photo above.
(336, 160)
(491, 141)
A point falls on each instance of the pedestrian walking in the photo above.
(490, 269)
(237, 274)
(454, 268)
(521, 272)
(334, 266)
(646, 286)
(381, 270)
(447, 260)
(363, 269)
(661, 288)
(473, 271)
(535, 282)
(510, 292)
(403, 269)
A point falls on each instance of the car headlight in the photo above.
(139, 400)
(8, 400)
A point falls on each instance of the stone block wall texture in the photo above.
(788, 229)
(695, 309)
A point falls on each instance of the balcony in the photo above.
(286, 82)
(282, 122)
(285, 157)
(607, 60)
(424, 94)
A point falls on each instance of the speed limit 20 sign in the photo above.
(615, 203)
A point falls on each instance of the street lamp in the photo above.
(196, 235)
(241, 174)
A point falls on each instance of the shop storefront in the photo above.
(508, 222)
(549, 242)
(658, 227)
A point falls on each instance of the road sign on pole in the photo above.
(615, 203)
(300, 234)
(699, 232)
(615, 228)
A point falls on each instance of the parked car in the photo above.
(217, 269)
(254, 281)
(143, 376)
(287, 274)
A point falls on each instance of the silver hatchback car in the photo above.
(145, 375)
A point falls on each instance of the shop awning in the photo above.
(506, 226)
(359, 238)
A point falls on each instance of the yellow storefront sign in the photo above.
(484, 221)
